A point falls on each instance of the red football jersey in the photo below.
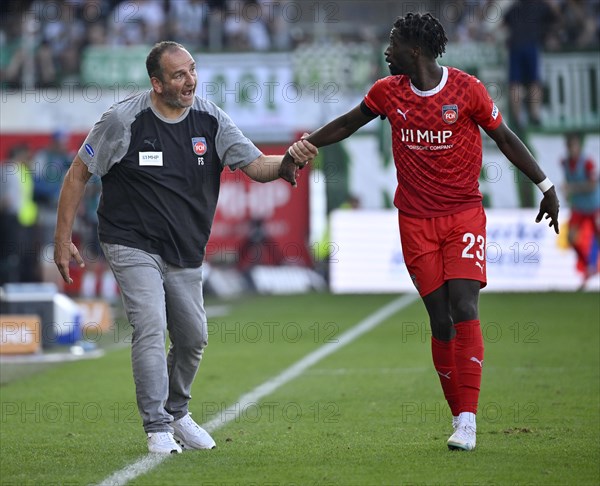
(436, 140)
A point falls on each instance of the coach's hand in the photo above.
(63, 252)
(549, 206)
(288, 169)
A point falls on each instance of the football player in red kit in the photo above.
(435, 113)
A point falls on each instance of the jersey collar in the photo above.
(162, 118)
(432, 91)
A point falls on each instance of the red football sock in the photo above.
(443, 360)
(469, 363)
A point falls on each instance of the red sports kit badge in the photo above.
(199, 145)
(450, 113)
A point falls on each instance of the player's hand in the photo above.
(549, 206)
(63, 252)
(288, 170)
(303, 151)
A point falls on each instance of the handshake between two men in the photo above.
(296, 157)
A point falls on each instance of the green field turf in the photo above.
(371, 413)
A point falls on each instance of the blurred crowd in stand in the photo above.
(52, 34)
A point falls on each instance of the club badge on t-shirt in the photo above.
(199, 145)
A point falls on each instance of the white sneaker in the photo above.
(465, 432)
(463, 439)
(189, 435)
(162, 443)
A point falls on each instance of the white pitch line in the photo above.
(150, 461)
(139, 467)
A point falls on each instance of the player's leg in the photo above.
(464, 298)
(588, 253)
(465, 273)
(140, 278)
(189, 336)
(593, 260)
(531, 73)
(576, 222)
(423, 257)
(443, 343)
(464, 301)
(516, 87)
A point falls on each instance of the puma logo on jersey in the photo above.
(475, 360)
(150, 142)
(480, 266)
(403, 113)
(445, 375)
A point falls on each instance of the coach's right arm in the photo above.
(71, 193)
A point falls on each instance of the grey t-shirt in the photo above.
(160, 177)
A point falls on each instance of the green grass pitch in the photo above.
(371, 413)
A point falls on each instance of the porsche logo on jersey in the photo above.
(199, 145)
(450, 114)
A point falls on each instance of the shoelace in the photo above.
(187, 421)
(465, 431)
(163, 438)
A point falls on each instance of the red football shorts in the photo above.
(444, 248)
(578, 219)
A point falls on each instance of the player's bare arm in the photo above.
(335, 131)
(518, 154)
(70, 196)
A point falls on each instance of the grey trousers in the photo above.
(159, 297)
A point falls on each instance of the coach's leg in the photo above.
(464, 304)
(188, 334)
(140, 278)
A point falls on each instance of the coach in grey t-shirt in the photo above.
(160, 155)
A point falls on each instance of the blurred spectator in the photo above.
(19, 255)
(134, 22)
(62, 32)
(487, 25)
(26, 55)
(245, 27)
(582, 188)
(93, 14)
(276, 19)
(259, 248)
(578, 24)
(187, 22)
(41, 41)
(528, 23)
(50, 165)
(10, 205)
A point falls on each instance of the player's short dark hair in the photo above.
(424, 31)
(153, 60)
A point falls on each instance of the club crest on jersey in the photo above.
(450, 113)
(199, 145)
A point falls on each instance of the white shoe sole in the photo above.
(453, 446)
(184, 446)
